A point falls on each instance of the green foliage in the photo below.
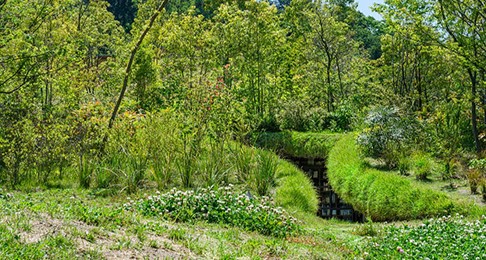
(381, 195)
(221, 205)
(53, 246)
(387, 135)
(293, 189)
(295, 144)
(265, 176)
(422, 166)
(446, 237)
(299, 116)
(404, 165)
(292, 116)
(476, 176)
(366, 229)
(143, 151)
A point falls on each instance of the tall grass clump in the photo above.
(381, 195)
(244, 162)
(265, 175)
(163, 144)
(214, 164)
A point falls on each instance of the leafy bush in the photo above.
(387, 134)
(477, 176)
(265, 123)
(380, 195)
(316, 119)
(221, 206)
(404, 165)
(292, 116)
(298, 116)
(422, 166)
(442, 238)
(340, 119)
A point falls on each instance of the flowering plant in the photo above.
(220, 206)
(443, 238)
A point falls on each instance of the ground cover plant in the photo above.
(448, 237)
(223, 206)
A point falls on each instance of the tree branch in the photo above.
(130, 62)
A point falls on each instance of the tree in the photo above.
(465, 23)
(133, 54)
(248, 40)
(124, 12)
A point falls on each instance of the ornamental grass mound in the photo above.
(222, 206)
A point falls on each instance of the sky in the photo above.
(364, 7)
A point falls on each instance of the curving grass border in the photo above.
(295, 191)
(380, 195)
(298, 144)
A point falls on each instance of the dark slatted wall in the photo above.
(330, 205)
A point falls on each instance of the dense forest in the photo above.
(121, 96)
(72, 70)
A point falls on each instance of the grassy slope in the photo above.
(295, 191)
(72, 223)
(383, 195)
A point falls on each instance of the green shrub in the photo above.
(221, 205)
(292, 116)
(380, 195)
(387, 134)
(443, 238)
(317, 120)
(341, 118)
(404, 165)
(297, 115)
(477, 176)
(422, 165)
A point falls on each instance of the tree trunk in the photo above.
(130, 62)
(474, 117)
(330, 99)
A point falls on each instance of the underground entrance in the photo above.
(330, 205)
